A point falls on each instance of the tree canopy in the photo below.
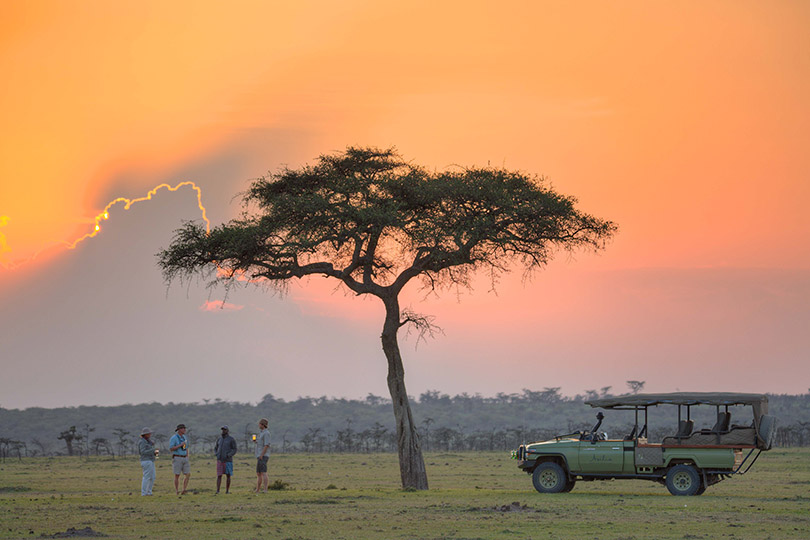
(374, 221)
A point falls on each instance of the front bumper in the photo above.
(521, 455)
(526, 464)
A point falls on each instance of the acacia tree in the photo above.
(70, 435)
(375, 222)
(635, 386)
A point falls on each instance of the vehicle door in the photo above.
(601, 457)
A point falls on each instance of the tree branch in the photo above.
(422, 324)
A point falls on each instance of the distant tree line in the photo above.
(462, 422)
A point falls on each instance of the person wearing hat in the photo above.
(148, 452)
(262, 456)
(225, 449)
(178, 445)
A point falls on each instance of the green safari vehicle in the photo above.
(687, 461)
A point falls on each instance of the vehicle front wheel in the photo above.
(569, 485)
(549, 477)
(683, 480)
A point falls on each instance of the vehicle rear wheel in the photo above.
(701, 489)
(683, 480)
(548, 477)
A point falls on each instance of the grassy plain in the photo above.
(354, 496)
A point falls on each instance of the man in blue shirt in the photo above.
(180, 464)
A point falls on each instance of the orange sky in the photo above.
(687, 124)
(637, 109)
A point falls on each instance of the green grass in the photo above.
(358, 496)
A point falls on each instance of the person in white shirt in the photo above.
(262, 456)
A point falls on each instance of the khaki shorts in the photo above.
(181, 465)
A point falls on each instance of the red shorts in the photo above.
(224, 467)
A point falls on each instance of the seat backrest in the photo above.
(685, 428)
(723, 421)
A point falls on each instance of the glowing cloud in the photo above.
(102, 216)
(129, 202)
(220, 305)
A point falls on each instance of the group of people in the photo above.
(224, 449)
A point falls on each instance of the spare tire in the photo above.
(767, 431)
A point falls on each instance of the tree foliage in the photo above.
(374, 221)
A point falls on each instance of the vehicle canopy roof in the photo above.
(758, 401)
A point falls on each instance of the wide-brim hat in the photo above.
(179, 427)
(146, 431)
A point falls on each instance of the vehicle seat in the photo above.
(722, 424)
(685, 428)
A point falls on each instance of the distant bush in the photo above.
(14, 489)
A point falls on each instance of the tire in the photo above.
(548, 477)
(701, 489)
(683, 480)
(569, 485)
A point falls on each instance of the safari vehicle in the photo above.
(687, 462)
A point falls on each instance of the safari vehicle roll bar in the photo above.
(764, 425)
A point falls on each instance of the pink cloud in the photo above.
(219, 305)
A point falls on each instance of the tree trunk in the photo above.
(411, 464)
